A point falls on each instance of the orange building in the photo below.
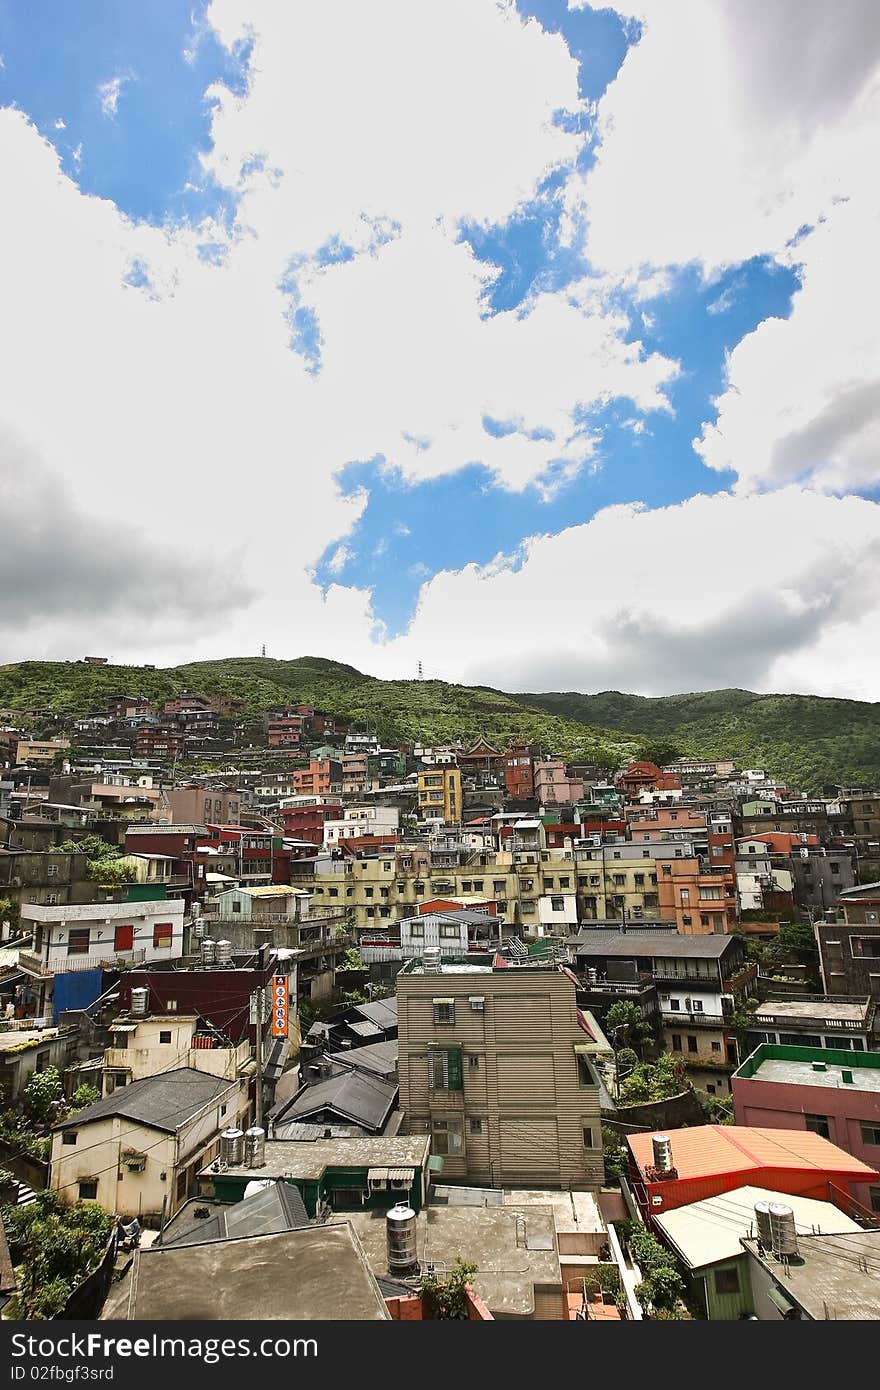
(666, 823)
(700, 902)
(318, 779)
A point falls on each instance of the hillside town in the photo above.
(450, 1031)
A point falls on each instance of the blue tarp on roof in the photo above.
(76, 989)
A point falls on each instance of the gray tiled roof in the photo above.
(599, 943)
(366, 1100)
(162, 1102)
(278, 1207)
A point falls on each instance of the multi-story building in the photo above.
(322, 777)
(92, 937)
(554, 786)
(356, 821)
(138, 1151)
(304, 817)
(141, 1047)
(493, 1065)
(849, 947)
(831, 1092)
(519, 770)
(204, 805)
(284, 730)
(39, 750)
(439, 793)
(699, 982)
(814, 1020)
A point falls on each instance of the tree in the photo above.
(57, 1247)
(795, 941)
(447, 1298)
(42, 1094)
(83, 1095)
(624, 1020)
(651, 1081)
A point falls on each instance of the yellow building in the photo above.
(38, 750)
(440, 793)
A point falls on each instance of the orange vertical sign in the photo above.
(280, 1006)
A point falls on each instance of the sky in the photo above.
(533, 342)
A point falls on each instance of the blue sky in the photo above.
(292, 180)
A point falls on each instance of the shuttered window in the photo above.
(445, 1069)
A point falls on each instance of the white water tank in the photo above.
(208, 950)
(255, 1147)
(232, 1148)
(783, 1232)
(400, 1234)
(139, 1001)
(662, 1146)
(223, 953)
(762, 1221)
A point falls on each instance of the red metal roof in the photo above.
(711, 1150)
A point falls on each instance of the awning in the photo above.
(123, 1027)
(401, 1175)
(376, 1176)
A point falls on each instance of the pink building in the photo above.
(554, 786)
(830, 1091)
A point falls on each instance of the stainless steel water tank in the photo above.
(400, 1233)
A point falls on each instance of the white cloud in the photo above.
(755, 591)
(110, 91)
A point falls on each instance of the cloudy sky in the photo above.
(532, 341)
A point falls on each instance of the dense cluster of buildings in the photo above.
(451, 929)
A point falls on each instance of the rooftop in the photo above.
(277, 1206)
(163, 1102)
(307, 1159)
(797, 1066)
(354, 1096)
(316, 1273)
(707, 1232)
(513, 1249)
(834, 1276)
(814, 1009)
(711, 1150)
(616, 943)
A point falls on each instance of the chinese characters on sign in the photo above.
(280, 1006)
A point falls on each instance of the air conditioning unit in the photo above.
(477, 1003)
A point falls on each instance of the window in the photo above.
(704, 919)
(171, 1006)
(676, 1042)
(871, 1134)
(727, 1281)
(165, 1035)
(162, 934)
(51, 870)
(371, 912)
(70, 1136)
(639, 880)
(368, 892)
(557, 904)
(818, 1124)
(692, 1043)
(715, 1046)
(478, 885)
(417, 930)
(548, 883)
(384, 911)
(475, 1126)
(619, 880)
(498, 885)
(449, 930)
(685, 896)
(88, 1190)
(594, 880)
(587, 1133)
(446, 1137)
(675, 1005)
(696, 1006)
(236, 906)
(473, 1062)
(667, 870)
(564, 882)
(444, 1010)
(78, 941)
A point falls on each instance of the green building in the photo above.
(344, 1174)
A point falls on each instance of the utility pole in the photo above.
(258, 1105)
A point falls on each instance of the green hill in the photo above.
(398, 711)
(807, 739)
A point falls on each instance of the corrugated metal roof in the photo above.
(703, 1151)
(707, 1232)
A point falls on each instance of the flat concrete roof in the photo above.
(826, 1279)
(811, 1009)
(509, 1264)
(802, 1074)
(19, 1040)
(316, 1273)
(307, 1159)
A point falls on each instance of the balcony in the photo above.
(699, 1019)
(60, 965)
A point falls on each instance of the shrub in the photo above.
(447, 1298)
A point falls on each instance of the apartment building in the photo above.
(697, 900)
(849, 949)
(439, 793)
(493, 1064)
(699, 982)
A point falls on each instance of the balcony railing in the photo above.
(61, 965)
(689, 1016)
